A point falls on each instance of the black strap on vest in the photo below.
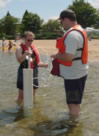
(80, 49)
(78, 58)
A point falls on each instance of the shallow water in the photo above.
(49, 117)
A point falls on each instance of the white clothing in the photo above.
(3, 43)
(74, 41)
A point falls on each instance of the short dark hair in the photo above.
(68, 13)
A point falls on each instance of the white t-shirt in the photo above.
(3, 43)
(74, 41)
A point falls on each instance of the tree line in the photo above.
(10, 26)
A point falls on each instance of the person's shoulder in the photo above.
(33, 46)
(35, 49)
(76, 35)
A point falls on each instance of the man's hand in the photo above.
(55, 56)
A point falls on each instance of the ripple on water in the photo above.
(49, 115)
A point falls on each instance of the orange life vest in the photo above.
(62, 47)
(34, 50)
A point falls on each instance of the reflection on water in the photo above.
(49, 117)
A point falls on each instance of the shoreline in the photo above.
(48, 47)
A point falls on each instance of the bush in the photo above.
(2, 36)
(10, 37)
(47, 35)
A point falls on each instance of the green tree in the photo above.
(8, 14)
(1, 26)
(96, 25)
(9, 25)
(51, 26)
(31, 22)
(2, 33)
(50, 30)
(26, 13)
(86, 14)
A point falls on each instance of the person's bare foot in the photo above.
(19, 102)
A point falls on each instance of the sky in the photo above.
(46, 9)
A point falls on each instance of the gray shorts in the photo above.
(74, 90)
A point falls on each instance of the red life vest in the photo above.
(62, 47)
(33, 50)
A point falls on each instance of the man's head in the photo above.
(68, 13)
(67, 18)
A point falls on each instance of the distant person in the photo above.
(10, 45)
(28, 49)
(73, 60)
(3, 44)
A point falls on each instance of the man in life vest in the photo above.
(73, 60)
(27, 49)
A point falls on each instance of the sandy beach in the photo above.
(48, 47)
(93, 50)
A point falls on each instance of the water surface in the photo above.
(49, 117)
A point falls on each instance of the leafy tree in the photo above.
(26, 13)
(86, 14)
(51, 26)
(9, 24)
(50, 30)
(96, 25)
(1, 26)
(2, 34)
(31, 22)
(8, 14)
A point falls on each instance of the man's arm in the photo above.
(64, 57)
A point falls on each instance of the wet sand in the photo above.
(93, 50)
